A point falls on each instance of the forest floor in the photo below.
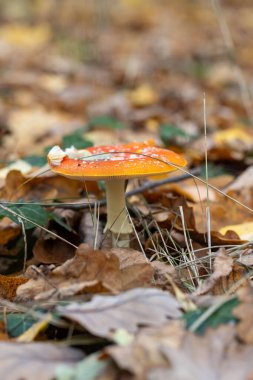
(177, 304)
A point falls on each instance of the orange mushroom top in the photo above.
(114, 161)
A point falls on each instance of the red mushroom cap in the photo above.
(116, 161)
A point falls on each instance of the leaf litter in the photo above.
(126, 310)
(102, 314)
(20, 360)
(88, 271)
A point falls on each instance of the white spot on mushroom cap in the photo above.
(56, 155)
(76, 154)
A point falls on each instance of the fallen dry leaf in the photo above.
(25, 36)
(172, 353)
(192, 193)
(9, 285)
(43, 186)
(33, 125)
(244, 180)
(88, 271)
(225, 212)
(127, 257)
(237, 138)
(244, 312)
(142, 96)
(137, 307)
(135, 270)
(144, 352)
(223, 265)
(30, 334)
(31, 361)
(214, 356)
(228, 145)
(246, 257)
(195, 220)
(166, 276)
(19, 165)
(3, 333)
(8, 230)
(225, 275)
(231, 283)
(50, 250)
(195, 191)
(145, 64)
(244, 230)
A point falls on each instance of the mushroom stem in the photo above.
(117, 217)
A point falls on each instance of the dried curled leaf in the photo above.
(9, 285)
(34, 360)
(244, 312)
(170, 352)
(105, 314)
(226, 276)
(88, 271)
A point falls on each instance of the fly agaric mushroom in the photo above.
(114, 164)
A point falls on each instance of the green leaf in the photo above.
(168, 132)
(18, 323)
(222, 315)
(35, 160)
(191, 316)
(213, 170)
(34, 213)
(47, 149)
(198, 69)
(106, 121)
(75, 139)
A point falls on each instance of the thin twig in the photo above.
(145, 187)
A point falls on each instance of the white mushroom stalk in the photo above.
(117, 215)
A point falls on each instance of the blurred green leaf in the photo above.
(168, 132)
(198, 70)
(18, 323)
(35, 213)
(35, 160)
(47, 149)
(106, 121)
(222, 315)
(75, 139)
(214, 170)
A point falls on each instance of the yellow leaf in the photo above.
(30, 334)
(30, 125)
(232, 135)
(133, 3)
(244, 230)
(144, 95)
(53, 83)
(152, 125)
(20, 165)
(25, 36)
(182, 298)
